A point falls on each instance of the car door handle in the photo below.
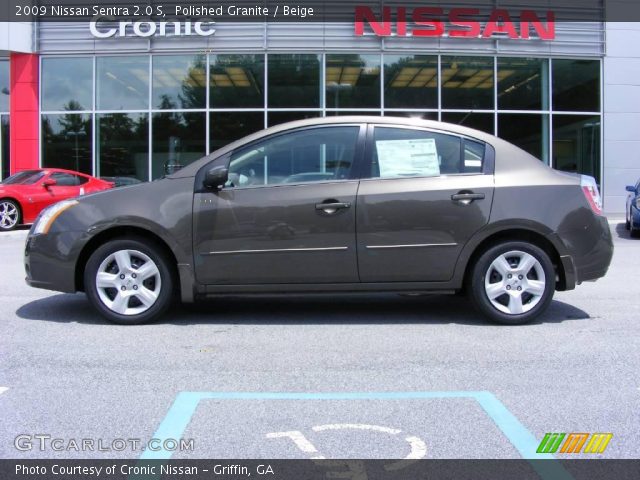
(331, 207)
(466, 197)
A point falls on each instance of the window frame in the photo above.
(488, 162)
(225, 159)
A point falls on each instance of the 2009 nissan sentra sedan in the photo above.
(346, 204)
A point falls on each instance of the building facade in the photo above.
(128, 103)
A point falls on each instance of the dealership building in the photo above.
(139, 100)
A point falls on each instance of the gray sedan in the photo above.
(347, 204)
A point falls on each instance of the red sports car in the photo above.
(24, 195)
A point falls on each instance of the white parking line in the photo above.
(3, 389)
(300, 440)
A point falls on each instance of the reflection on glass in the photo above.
(294, 80)
(418, 115)
(178, 140)
(352, 81)
(67, 83)
(527, 131)
(66, 142)
(467, 82)
(523, 84)
(4, 152)
(307, 155)
(226, 127)
(410, 81)
(123, 83)
(237, 81)
(4, 86)
(342, 113)
(576, 144)
(576, 85)
(179, 81)
(123, 145)
(479, 121)
(276, 118)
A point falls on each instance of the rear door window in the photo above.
(403, 152)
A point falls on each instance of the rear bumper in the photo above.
(591, 249)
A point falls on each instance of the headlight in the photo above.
(638, 203)
(49, 215)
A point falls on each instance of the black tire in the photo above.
(9, 203)
(482, 268)
(163, 289)
(634, 232)
(627, 222)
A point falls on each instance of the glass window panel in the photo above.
(342, 113)
(400, 152)
(527, 131)
(5, 82)
(479, 121)
(410, 81)
(227, 127)
(576, 144)
(420, 115)
(4, 143)
(67, 83)
(66, 142)
(179, 81)
(352, 80)
(576, 85)
(523, 84)
(276, 118)
(309, 155)
(123, 83)
(123, 145)
(294, 80)
(178, 140)
(237, 81)
(467, 82)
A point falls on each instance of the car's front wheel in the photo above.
(512, 283)
(129, 281)
(9, 215)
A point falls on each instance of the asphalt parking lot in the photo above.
(375, 376)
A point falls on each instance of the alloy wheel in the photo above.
(8, 215)
(515, 282)
(128, 282)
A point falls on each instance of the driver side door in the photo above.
(286, 214)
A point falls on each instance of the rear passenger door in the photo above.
(422, 196)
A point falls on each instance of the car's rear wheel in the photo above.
(627, 221)
(512, 283)
(129, 281)
(9, 215)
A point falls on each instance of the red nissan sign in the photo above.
(457, 23)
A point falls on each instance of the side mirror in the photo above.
(216, 177)
(631, 188)
(49, 182)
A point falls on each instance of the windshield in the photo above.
(27, 177)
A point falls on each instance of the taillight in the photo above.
(590, 190)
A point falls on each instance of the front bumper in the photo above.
(50, 260)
